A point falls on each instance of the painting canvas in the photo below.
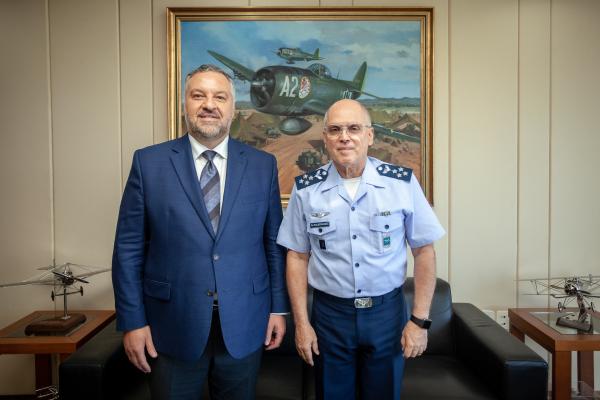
(289, 69)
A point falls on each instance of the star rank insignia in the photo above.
(310, 178)
(395, 171)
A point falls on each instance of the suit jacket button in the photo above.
(216, 257)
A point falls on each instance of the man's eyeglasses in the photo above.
(352, 129)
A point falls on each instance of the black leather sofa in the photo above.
(469, 357)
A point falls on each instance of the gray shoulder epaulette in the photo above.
(310, 178)
(395, 171)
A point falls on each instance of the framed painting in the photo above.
(290, 64)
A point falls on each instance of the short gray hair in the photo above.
(210, 68)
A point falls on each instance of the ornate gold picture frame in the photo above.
(291, 64)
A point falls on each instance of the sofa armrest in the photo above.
(504, 363)
(100, 370)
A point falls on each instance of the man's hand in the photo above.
(135, 343)
(306, 342)
(414, 340)
(275, 331)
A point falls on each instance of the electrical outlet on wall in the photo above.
(502, 318)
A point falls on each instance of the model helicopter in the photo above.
(63, 276)
(578, 288)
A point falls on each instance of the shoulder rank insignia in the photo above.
(310, 178)
(394, 171)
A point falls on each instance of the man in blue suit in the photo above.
(197, 274)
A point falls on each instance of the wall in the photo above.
(515, 137)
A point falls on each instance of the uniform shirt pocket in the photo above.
(321, 232)
(386, 231)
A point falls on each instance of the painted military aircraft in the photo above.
(291, 54)
(294, 92)
(567, 289)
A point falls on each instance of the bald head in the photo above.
(350, 105)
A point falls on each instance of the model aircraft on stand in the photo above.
(63, 278)
(566, 290)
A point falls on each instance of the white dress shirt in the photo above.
(220, 161)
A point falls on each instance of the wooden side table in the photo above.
(14, 341)
(523, 321)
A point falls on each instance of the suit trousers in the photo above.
(228, 378)
(360, 349)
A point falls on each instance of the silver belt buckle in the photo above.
(363, 302)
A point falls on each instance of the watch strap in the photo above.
(422, 323)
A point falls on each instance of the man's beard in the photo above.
(208, 131)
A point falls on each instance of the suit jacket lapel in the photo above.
(182, 160)
(236, 165)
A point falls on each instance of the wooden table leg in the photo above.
(516, 333)
(585, 368)
(43, 370)
(561, 375)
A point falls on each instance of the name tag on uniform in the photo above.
(323, 224)
(387, 240)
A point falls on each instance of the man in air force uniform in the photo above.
(346, 229)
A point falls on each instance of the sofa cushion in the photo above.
(442, 377)
(100, 370)
(280, 378)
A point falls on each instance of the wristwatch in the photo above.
(421, 323)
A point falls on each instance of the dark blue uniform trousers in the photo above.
(360, 349)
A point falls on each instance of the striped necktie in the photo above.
(209, 182)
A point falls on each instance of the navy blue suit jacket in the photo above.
(167, 257)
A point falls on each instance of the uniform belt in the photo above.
(358, 302)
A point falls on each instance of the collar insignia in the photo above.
(395, 171)
(310, 178)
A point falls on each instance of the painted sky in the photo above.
(391, 49)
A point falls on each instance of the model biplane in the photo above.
(63, 278)
(580, 289)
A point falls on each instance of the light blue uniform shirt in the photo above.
(358, 246)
